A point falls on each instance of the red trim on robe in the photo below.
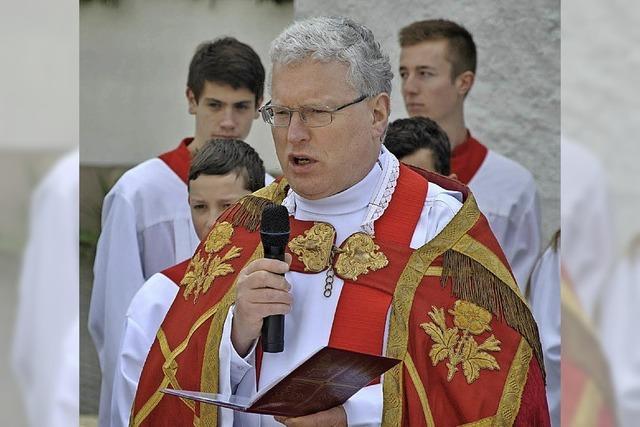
(179, 159)
(467, 158)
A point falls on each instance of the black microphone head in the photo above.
(274, 226)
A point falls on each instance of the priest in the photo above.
(382, 259)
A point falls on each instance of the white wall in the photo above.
(514, 106)
(134, 60)
(600, 97)
(39, 75)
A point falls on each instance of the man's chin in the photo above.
(418, 112)
(304, 188)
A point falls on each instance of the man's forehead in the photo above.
(205, 183)
(311, 81)
(424, 52)
(224, 91)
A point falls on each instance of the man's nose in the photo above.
(409, 85)
(298, 131)
(228, 119)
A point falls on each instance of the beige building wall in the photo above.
(134, 60)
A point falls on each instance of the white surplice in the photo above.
(145, 315)
(587, 231)
(45, 346)
(618, 332)
(506, 194)
(146, 227)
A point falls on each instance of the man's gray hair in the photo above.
(337, 39)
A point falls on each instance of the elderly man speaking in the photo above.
(382, 259)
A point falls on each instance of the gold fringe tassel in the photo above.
(247, 212)
(471, 281)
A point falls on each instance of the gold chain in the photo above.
(328, 282)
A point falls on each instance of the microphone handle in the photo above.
(273, 326)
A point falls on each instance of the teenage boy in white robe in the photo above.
(146, 222)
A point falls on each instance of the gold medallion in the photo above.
(314, 247)
(358, 255)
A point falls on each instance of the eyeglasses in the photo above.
(280, 117)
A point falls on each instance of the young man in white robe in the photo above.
(437, 69)
(222, 172)
(146, 222)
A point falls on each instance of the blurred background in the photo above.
(600, 203)
(38, 124)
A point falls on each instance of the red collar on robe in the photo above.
(467, 158)
(179, 159)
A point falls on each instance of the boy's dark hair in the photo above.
(406, 136)
(226, 61)
(461, 49)
(222, 156)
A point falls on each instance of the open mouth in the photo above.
(301, 160)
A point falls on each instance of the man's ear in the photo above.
(464, 82)
(258, 104)
(381, 108)
(191, 100)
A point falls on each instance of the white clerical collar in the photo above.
(372, 192)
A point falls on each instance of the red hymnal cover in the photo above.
(328, 378)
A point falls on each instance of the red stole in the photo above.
(467, 158)
(360, 318)
(179, 159)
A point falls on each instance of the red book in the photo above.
(327, 378)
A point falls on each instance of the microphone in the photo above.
(274, 232)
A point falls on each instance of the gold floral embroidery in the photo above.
(469, 316)
(219, 237)
(314, 246)
(448, 343)
(359, 255)
(204, 269)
